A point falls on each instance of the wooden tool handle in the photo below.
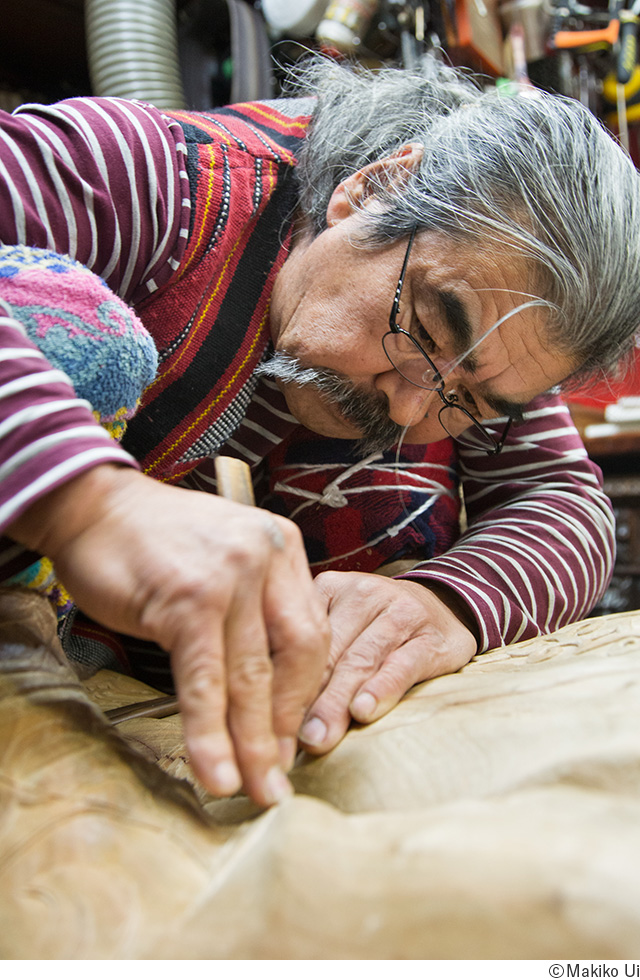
(234, 480)
(234, 483)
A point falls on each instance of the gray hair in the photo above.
(532, 171)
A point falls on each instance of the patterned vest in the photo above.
(211, 322)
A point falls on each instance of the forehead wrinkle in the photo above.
(513, 408)
(468, 350)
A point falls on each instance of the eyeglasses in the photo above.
(401, 347)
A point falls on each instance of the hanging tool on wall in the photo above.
(584, 37)
(625, 65)
(621, 86)
(601, 37)
(628, 43)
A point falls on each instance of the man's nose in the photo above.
(407, 403)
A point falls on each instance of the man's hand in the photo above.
(224, 588)
(387, 635)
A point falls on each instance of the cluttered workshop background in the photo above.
(205, 53)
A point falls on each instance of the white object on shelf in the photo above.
(296, 18)
(345, 22)
(626, 409)
(604, 430)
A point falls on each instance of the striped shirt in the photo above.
(106, 182)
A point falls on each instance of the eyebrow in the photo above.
(459, 326)
(462, 336)
(461, 331)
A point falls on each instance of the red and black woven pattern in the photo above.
(210, 323)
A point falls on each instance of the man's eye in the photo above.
(470, 403)
(425, 339)
(463, 397)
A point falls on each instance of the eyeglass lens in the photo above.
(414, 364)
(401, 349)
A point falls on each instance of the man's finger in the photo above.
(200, 679)
(250, 713)
(411, 664)
(329, 717)
(299, 638)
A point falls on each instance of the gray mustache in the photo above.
(368, 412)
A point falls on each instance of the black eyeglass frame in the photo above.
(438, 381)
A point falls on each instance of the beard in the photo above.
(368, 412)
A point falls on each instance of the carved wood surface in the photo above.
(494, 813)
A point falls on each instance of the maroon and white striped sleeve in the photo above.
(101, 180)
(104, 181)
(540, 544)
(47, 434)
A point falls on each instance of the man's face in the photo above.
(330, 310)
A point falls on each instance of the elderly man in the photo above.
(366, 296)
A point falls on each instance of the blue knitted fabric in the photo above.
(82, 328)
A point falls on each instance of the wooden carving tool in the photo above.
(234, 483)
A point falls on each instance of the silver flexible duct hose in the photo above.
(132, 50)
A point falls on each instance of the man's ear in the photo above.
(391, 172)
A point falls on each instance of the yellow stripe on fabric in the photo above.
(271, 179)
(202, 122)
(272, 182)
(283, 122)
(221, 394)
(207, 207)
(194, 331)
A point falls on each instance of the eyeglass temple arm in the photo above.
(393, 326)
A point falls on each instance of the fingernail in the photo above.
(226, 778)
(276, 786)
(363, 706)
(288, 747)
(313, 732)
